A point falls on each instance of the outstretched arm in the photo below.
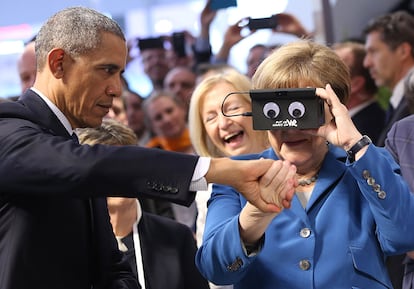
(250, 177)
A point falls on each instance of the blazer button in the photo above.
(381, 195)
(305, 232)
(365, 174)
(166, 188)
(371, 181)
(304, 265)
(151, 185)
(376, 187)
(235, 265)
(157, 187)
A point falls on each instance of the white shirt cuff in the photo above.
(198, 181)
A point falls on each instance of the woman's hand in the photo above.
(339, 129)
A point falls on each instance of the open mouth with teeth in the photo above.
(234, 137)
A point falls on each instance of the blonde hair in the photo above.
(111, 132)
(303, 64)
(198, 134)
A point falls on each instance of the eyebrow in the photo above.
(111, 67)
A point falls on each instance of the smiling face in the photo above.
(90, 82)
(166, 117)
(231, 135)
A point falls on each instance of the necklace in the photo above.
(306, 182)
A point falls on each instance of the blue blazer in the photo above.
(54, 225)
(340, 240)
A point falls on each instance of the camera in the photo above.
(262, 23)
(178, 44)
(289, 108)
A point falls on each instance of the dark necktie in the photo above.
(75, 138)
(389, 113)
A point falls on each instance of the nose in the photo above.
(114, 89)
(224, 121)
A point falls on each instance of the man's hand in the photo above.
(277, 185)
(250, 177)
(287, 23)
(207, 16)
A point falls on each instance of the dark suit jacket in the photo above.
(400, 112)
(168, 252)
(54, 230)
(370, 121)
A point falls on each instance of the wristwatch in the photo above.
(364, 141)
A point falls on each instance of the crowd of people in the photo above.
(106, 188)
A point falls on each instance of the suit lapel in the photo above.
(41, 114)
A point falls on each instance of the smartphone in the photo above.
(222, 4)
(262, 23)
(178, 43)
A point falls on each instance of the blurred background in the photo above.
(331, 20)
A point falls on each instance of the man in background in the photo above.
(366, 113)
(389, 46)
(26, 66)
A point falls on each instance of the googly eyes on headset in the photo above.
(271, 110)
(296, 110)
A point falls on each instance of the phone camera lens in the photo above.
(271, 110)
(296, 109)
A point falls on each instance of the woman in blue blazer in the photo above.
(351, 207)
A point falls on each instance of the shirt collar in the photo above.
(353, 111)
(398, 92)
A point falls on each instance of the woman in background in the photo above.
(214, 134)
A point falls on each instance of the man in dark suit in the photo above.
(364, 109)
(390, 56)
(54, 230)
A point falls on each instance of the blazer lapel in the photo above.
(330, 174)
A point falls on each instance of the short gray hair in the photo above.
(77, 30)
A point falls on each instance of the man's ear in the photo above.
(55, 61)
(404, 50)
(357, 83)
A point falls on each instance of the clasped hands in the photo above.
(269, 185)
